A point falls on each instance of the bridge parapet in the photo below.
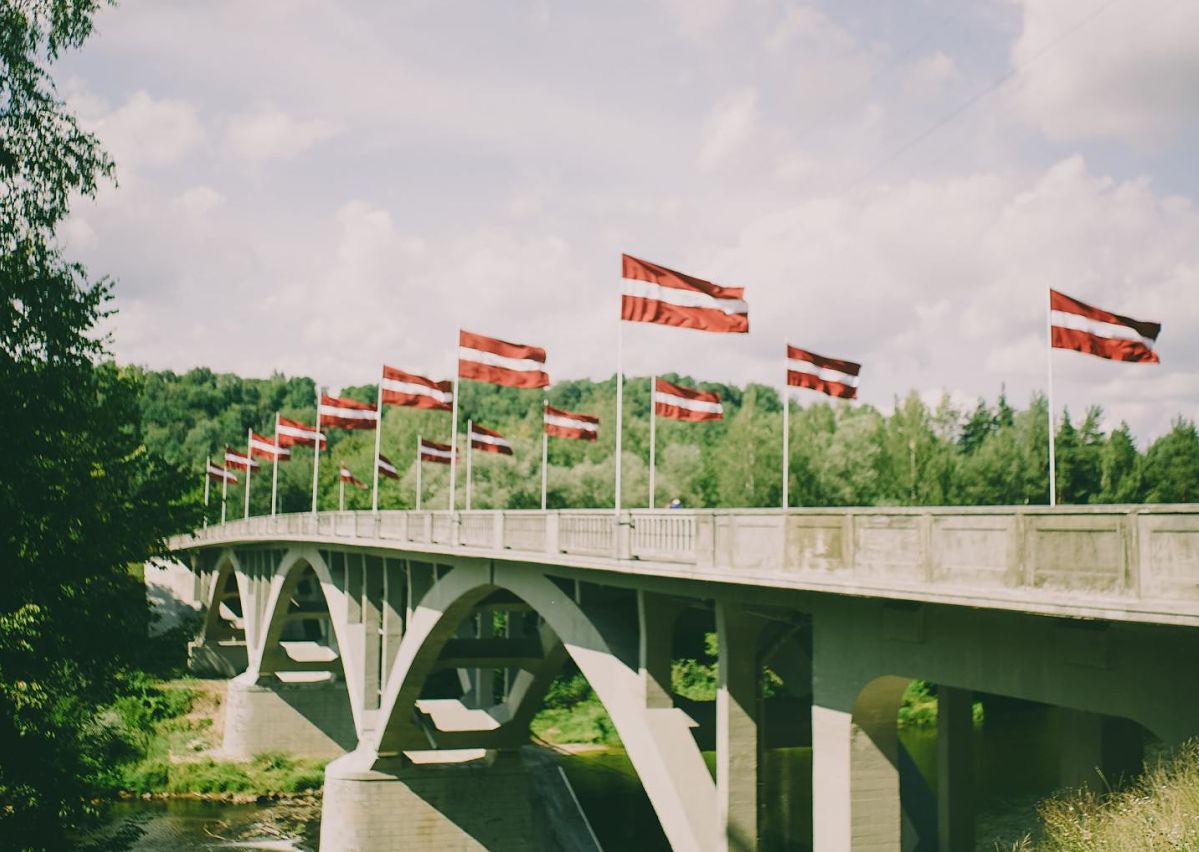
(1132, 563)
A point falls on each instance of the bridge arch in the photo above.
(657, 739)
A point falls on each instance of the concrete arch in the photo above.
(658, 740)
(221, 645)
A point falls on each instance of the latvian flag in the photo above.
(679, 403)
(431, 451)
(652, 293)
(1078, 326)
(497, 362)
(239, 461)
(568, 424)
(400, 388)
(215, 471)
(341, 413)
(828, 375)
(386, 468)
(265, 448)
(293, 433)
(348, 477)
(489, 441)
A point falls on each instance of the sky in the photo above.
(318, 188)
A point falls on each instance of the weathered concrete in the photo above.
(955, 769)
(298, 719)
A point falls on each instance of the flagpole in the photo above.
(275, 469)
(653, 437)
(207, 485)
(470, 481)
(545, 448)
(224, 492)
(619, 404)
(249, 465)
(378, 441)
(341, 494)
(1052, 448)
(786, 443)
(316, 451)
(418, 467)
(454, 448)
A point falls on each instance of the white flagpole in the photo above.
(341, 494)
(1052, 449)
(419, 465)
(378, 441)
(653, 437)
(619, 404)
(454, 448)
(275, 470)
(224, 492)
(316, 450)
(470, 480)
(207, 483)
(249, 465)
(786, 443)
(545, 448)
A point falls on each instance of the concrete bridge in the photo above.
(417, 646)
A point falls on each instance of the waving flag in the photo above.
(497, 362)
(431, 451)
(341, 413)
(653, 293)
(489, 441)
(266, 448)
(239, 461)
(400, 388)
(678, 403)
(293, 433)
(568, 424)
(348, 477)
(386, 468)
(1093, 331)
(828, 375)
(219, 474)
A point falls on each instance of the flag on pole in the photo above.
(266, 448)
(1093, 331)
(342, 413)
(488, 440)
(239, 460)
(400, 388)
(831, 376)
(431, 451)
(678, 403)
(293, 433)
(348, 477)
(653, 293)
(220, 474)
(386, 468)
(569, 424)
(497, 362)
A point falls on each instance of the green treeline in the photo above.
(842, 454)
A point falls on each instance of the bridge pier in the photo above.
(310, 719)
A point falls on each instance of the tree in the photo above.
(80, 495)
(1120, 468)
(1172, 465)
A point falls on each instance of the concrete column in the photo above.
(1097, 751)
(394, 588)
(484, 679)
(657, 615)
(421, 576)
(955, 769)
(737, 716)
(372, 624)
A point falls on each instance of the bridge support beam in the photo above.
(297, 719)
(738, 708)
(1097, 751)
(955, 769)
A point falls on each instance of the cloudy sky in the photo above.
(317, 188)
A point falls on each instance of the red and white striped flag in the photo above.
(431, 451)
(239, 461)
(386, 468)
(569, 424)
(489, 441)
(218, 473)
(400, 388)
(265, 448)
(348, 477)
(828, 375)
(497, 362)
(293, 433)
(653, 293)
(341, 413)
(679, 403)
(1093, 331)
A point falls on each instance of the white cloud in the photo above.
(698, 18)
(932, 72)
(273, 135)
(147, 131)
(808, 26)
(728, 125)
(199, 200)
(1128, 70)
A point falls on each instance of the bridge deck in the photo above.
(1125, 563)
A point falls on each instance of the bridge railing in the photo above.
(1134, 552)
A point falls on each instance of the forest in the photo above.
(842, 453)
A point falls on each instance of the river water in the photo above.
(1014, 757)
